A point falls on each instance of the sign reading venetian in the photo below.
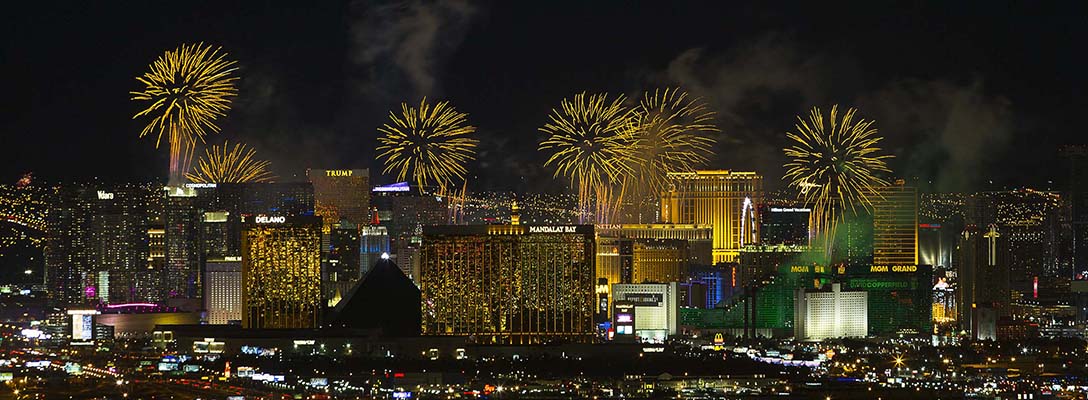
(264, 219)
(893, 268)
(338, 172)
(553, 229)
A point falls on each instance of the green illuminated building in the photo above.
(899, 298)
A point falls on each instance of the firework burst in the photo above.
(835, 164)
(590, 142)
(672, 134)
(431, 144)
(223, 164)
(186, 90)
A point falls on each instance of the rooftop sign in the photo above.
(553, 229)
(396, 187)
(893, 268)
(338, 172)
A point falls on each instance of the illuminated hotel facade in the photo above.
(223, 290)
(830, 314)
(96, 246)
(723, 199)
(699, 237)
(342, 193)
(508, 284)
(642, 260)
(895, 225)
(281, 271)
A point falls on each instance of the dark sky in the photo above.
(965, 93)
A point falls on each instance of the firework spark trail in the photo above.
(432, 144)
(590, 142)
(673, 133)
(835, 165)
(186, 90)
(222, 164)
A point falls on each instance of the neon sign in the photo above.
(339, 172)
(893, 268)
(553, 229)
(264, 219)
(395, 187)
(104, 195)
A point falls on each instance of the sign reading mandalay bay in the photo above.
(553, 229)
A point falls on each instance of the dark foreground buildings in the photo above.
(385, 300)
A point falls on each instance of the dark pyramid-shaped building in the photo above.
(384, 299)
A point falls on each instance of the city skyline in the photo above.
(477, 199)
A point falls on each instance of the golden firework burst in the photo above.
(835, 165)
(590, 142)
(673, 133)
(431, 144)
(224, 164)
(185, 91)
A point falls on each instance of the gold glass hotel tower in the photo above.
(895, 225)
(508, 284)
(726, 200)
(281, 271)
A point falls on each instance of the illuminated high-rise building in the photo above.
(149, 281)
(830, 314)
(723, 199)
(206, 219)
(509, 284)
(854, 240)
(699, 237)
(659, 261)
(341, 256)
(404, 210)
(183, 217)
(717, 279)
(785, 225)
(895, 225)
(626, 260)
(900, 297)
(623, 260)
(217, 236)
(281, 271)
(342, 194)
(98, 242)
(615, 260)
(373, 242)
(223, 290)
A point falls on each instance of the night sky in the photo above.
(965, 93)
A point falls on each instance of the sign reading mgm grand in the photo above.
(893, 268)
